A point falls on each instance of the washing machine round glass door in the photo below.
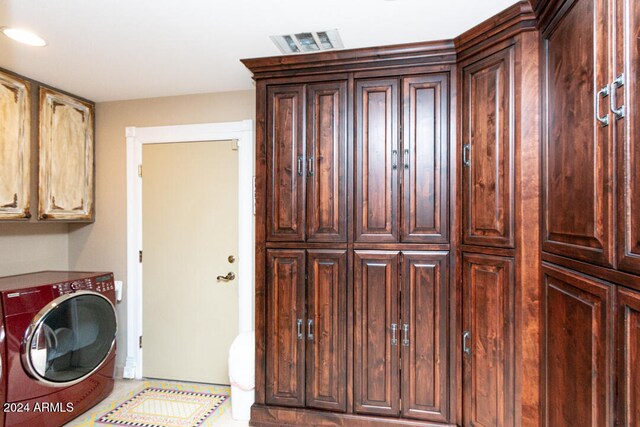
(70, 338)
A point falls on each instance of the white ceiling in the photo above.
(108, 50)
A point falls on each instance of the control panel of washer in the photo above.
(83, 285)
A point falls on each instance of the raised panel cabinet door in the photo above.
(577, 148)
(286, 163)
(327, 162)
(625, 96)
(285, 326)
(488, 150)
(376, 333)
(425, 158)
(577, 351)
(376, 161)
(628, 344)
(425, 337)
(327, 330)
(488, 341)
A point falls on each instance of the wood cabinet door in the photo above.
(327, 330)
(577, 350)
(577, 148)
(424, 338)
(377, 156)
(425, 156)
(285, 326)
(488, 341)
(327, 162)
(488, 150)
(628, 133)
(376, 345)
(628, 344)
(286, 163)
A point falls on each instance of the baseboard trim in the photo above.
(271, 416)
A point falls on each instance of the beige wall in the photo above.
(29, 247)
(102, 245)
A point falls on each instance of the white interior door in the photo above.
(189, 227)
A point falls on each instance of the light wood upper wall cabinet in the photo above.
(14, 148)
(66, 190)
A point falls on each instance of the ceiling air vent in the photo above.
(308, 42)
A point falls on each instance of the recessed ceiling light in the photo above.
(23, 36)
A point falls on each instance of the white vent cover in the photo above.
(308, 42)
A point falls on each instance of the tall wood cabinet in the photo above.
(499, 158)
(591, 232)
(355, 318)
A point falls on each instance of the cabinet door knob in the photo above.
(617, 111)
(602, 93)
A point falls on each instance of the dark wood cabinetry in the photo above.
(577, 349)
(376, 376)
(285, 314)
(628, 345)
(414, 330)
(377, 189)
(488, 340)
(306, 328)
(488, 136)
(285, 198)
(625, 98)
(402, 148)
(369, 266)
(578, 168)
(307, 167)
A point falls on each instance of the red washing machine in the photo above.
(57, 346)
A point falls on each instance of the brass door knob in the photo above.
(229, 276)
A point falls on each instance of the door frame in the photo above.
(243, 133)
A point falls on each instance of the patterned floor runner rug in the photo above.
(165, 407)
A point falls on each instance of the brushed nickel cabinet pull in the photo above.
(394, 329)
(405, 333)
(299, 329)
(310, 166)
(465, 337)
(406, 158)
(300, 165)
(309, 326)
(466, 151)
(617, 111)
(602, 93)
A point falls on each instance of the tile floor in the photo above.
(121, 392)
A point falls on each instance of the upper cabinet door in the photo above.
(327, 162)
(488, 138)
(626, 99)
(424, 340)
(577, 351)
(15, 145)
(285, 163)
(285, 338)
(376, 333)
(425, 158)
(577, 160)
(376, 160)
(327, 330)
(628, 344)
